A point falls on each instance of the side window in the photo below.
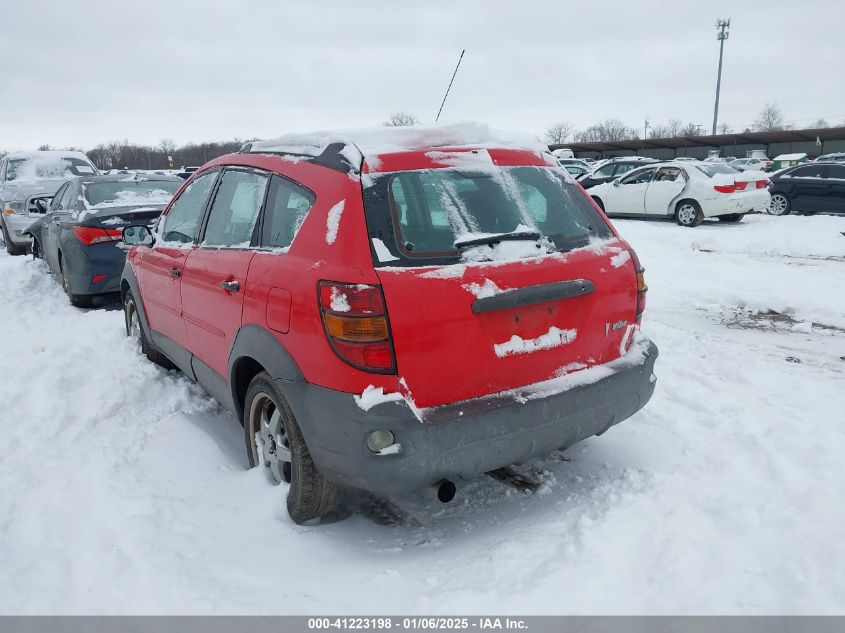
(668, 174)
(57, 203)
(606, 171)
(639, 177)
(624, 168)
(808, 171)
(180, 223)
(836, 171)
(3, 170)
(234, 211)
(287, 206)
(67, 198)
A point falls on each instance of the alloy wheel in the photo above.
(272, 444)
(778, 205)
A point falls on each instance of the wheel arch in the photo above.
(254, 350)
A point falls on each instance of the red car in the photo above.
(394, 316)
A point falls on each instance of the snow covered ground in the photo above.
(123, 488)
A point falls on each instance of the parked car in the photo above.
(28, 181)
(571, 161)
(613, 169)
(748, 164)
(576, 170)
(685, 158)
(563, 152)
(810, 188)
(689, 192)
(80, 235)
(837, 157)
(760, 155)
(370, 317)
(186, 172)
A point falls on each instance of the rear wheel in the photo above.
(731, 217)
(274, 439)
(11, 248)
(598, 202)
(80, 301)
(780, 204)
(135, 331)
(688, 213)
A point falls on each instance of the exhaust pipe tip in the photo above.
(446, 491)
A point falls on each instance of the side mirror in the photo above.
(616, 182)
(40, 205)
(133, 235)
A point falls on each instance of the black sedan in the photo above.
(80, 235)
(808, 188)
(611, 170)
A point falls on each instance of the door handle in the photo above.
(175, 272)
(231, 286)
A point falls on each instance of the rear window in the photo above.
(130, 193)
(419, 215)
(47, 167)
(711, 169)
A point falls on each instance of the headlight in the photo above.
(10, 208)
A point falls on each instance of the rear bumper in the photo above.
(741, 202)
(86, 262)
(468, 438)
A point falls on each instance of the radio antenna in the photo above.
(437, 118)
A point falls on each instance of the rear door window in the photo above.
(234, 212)
(809, 171)
(639, 177)
(287, 206)
(181, 222)
(57, 203)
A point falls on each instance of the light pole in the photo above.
(724, 27)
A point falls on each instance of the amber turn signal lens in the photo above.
(356, 329)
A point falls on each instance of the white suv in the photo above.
(28, 181)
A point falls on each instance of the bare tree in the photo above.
(659, 131)
(608, 130)
(401, 119)
(44, 148)
(770, 119)
(724, 128)
(819, 123)
(558, 133)
(674, 127)
(690, 129)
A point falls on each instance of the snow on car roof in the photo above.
(48, 154)
(798, 156)
(360, 143)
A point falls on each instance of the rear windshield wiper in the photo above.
(495, 238)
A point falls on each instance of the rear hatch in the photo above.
(116, 218)
(495, 277)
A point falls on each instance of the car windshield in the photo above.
(129, 193)
(426, 212)
(711, 169)
(47, 167)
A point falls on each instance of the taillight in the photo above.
(92, 235)
(725, 188)
(355, 322)
(762, 184)
(642, 288)
(741, 185)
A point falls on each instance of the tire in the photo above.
(688, 213)
(78, 301)
(731, 217)
(135, 329)
(780, 204)
(598, 202)
(282, 449)
(11, 248)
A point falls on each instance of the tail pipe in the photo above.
(444, 491)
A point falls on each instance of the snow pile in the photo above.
(129, 198)
(372, 396)
(333, 222)
(382, 252)
(555, 337)
(483, 290)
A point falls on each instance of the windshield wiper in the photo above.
(495, 238)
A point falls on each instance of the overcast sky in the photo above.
(85, 72)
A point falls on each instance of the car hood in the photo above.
(22, 189)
